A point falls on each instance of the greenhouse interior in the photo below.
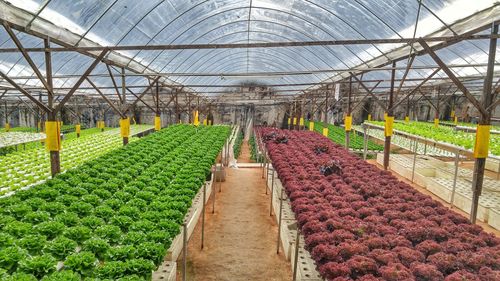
(235, 140)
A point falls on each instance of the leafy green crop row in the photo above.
(237, 145)
(20, 129)
(470, 125)
(22, 168)
(114, 217)
(253, 150)
(444, 134)
(337, 135)
(26, 167)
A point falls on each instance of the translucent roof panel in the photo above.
(163, 22)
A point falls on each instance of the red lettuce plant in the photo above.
(361, 223)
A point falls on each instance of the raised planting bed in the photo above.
(115, 216)
(337, 135)
(437, 177)
(444, 134)
(362, 223)
(306, 268)
(17, 138)
(403, 142)
(25, 168)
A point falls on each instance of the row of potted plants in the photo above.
(114, 217)
(362, 223)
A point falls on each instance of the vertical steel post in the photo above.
(220, 174)
(279, 222)
(267, 177)
(124, 92)
(6, 114)
(213, 189)
(414, 160)
(325, 120)
(184, 251)
(457, 158)
(55, 158)
(158, 113)
(264, 163)
(296, 260)
(365, 141)
(348, 132)
(390, 113)
(272, 194)
(203, 215)
(229, 148)
(485, 119)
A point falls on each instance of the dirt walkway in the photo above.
(245, 153)
(240, 238)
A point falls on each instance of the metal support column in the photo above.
(203, 215)
(414, 160)
(390, 113)
(55, 158)
(272, 194)
(296, 254)
(365, 141)
(184, 251)
(279, 222)
(348, 132)
(457, 158)
(485, 119)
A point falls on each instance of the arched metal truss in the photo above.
(127, 22)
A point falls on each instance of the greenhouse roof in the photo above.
(210, 71)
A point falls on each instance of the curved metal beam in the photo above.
(275, 10)
(225, 35)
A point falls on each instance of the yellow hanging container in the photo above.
(348, 123)
(7, 127)
(125, 127)
(481, 146)
(157, 123)
(436, 122)
(325, 132)
(407, 119)
(369, 117)
(53, 132)
(389, 125)
(196, 118)
(311, 126)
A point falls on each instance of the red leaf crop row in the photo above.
(362, 223)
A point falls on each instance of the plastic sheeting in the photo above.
(131, 22)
